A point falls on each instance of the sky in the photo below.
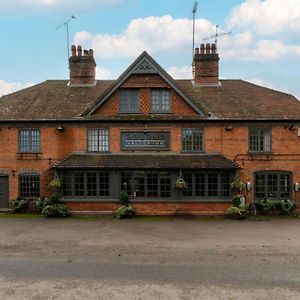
(263, 47)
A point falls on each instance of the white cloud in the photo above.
(58, 5)
(10, 87)
(103, 73)
(154, 34)
(180, 72)
(266, 17)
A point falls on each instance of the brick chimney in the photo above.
(206, 66)
(82, 67)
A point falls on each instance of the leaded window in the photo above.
(129, 101)
(98, 140)
(85, 184)
(207, 184)
(29, 185)
(260, 140)
(160, 100)
(272, 185)
(192, 140)
(29, 140)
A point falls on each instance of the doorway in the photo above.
(3, 191)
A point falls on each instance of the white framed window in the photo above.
(98, 140)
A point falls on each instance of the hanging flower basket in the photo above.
(180, 182)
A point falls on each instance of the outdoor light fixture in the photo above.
(13, 172)
(228, 127)
(60, 128)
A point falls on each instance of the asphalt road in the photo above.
(143, 259)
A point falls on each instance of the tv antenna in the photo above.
(66, 23)
(217, 34)
(194, 11)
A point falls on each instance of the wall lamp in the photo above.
(60, 128)
(13, 173)
(228, 127)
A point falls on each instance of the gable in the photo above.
(146, 83)
(145, 65)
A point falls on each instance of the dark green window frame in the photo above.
(29, 185)
(274, 185)
(211, 184)
(85, 184)
(98, 140)
(160, 101)
(192, 140)
(129, 100)
(29, 140)
(260, 139)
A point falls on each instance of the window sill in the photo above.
(129, 113)
(29, 152)
(260, 153)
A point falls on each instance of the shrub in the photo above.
(287, 207)
(19, 205)
(124, 198)
(265, 205)
(53, 199)
(236, 201)
(125, 211)
(234, 212)
(39, 204)
(56, 211)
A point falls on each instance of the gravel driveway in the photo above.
(149, 259)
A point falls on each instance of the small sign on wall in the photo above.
(139, 140)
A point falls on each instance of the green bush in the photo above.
(125, 211)
(236, 201)
(39, 204)
(19, 205)
(124, 198)
(56, 211)
(234, 212)
(53, 199)
(265, 205)
(287, 207)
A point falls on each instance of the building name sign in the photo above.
(145, 140)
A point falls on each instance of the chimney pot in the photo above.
(91, 52)
(73, 49)
(213, 49)
(79, 50)
(197, 51)
(202, 49)
(207, 48)
(86, 52)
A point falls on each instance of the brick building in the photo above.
(141, 132)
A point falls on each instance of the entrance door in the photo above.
(3, 192)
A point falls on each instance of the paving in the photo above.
(149, 258)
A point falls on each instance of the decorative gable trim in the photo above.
(145, 64)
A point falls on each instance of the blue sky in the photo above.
(264, 46)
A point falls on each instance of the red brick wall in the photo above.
(57, 145)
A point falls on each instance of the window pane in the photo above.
(29, 186)
(260, 139)
(200, 184)
(67, 184)
(272, 186)
(103, 184)
(29, 140)
(152, 185)
(98, 140)
(188, 192)
(91, 184)
(192, 140)
(225, 184)
(285, 186)
(79, 184)
(165, 184)
(212, 185)
(129, 100)
(160, 100)
(126, 183)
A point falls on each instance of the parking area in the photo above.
(149, 258)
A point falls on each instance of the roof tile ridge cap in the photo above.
(268, 88)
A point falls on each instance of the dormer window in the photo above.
(129, 101)
(160, 101)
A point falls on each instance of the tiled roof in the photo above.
(149, 161)
(233, 100)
